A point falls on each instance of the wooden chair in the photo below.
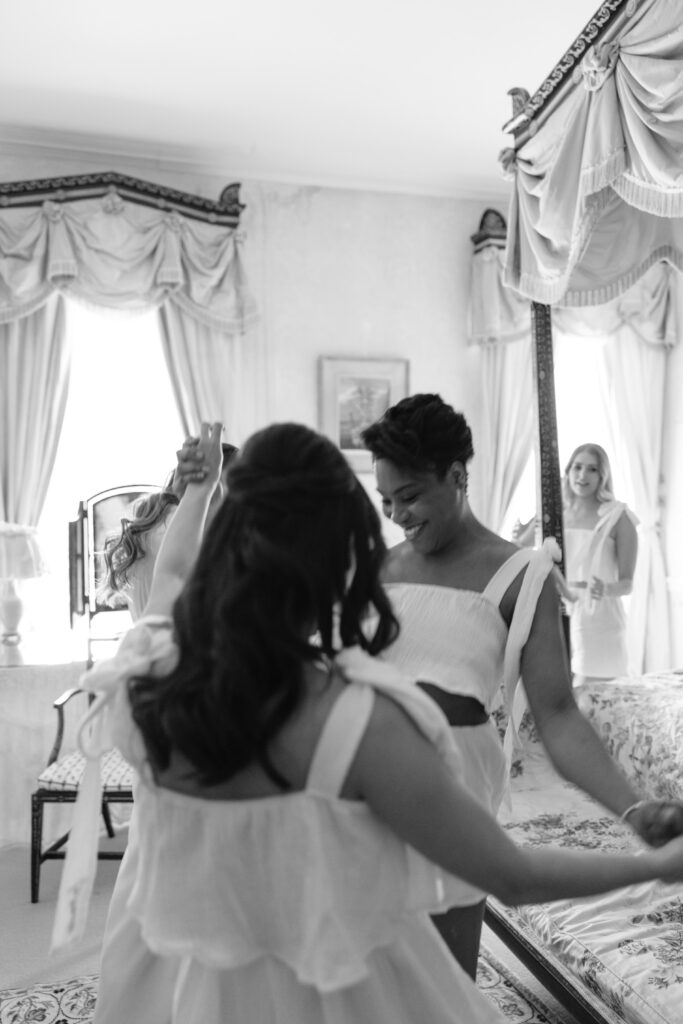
(59, 783)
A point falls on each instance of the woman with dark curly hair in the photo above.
(476, 611)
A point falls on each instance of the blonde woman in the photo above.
(601, 548)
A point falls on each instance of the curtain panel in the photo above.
(34, 379)
(598, 183)
(206, 373)
(634, 374)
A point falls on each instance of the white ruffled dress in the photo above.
(295, 909)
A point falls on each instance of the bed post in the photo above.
(548, 476)
(547, 452)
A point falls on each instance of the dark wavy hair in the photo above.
(287, 573)
(422, 433)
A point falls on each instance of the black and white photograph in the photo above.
(341, 482)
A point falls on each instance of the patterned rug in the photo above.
(74, 1001)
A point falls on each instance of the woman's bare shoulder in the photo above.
(398, 563)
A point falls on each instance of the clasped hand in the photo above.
(200, 458)
(596, 588)
(657, 821)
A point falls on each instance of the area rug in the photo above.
(58, 1003)
(70, 1001)
(515, 1001)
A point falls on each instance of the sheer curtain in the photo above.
(34, 377)
(499, 323)
(206, 370)
(635, 373)
(507, 429)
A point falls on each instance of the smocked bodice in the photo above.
(452, 638)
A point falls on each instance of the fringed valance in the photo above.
(499, 314)
(598, 169)
(116, 241)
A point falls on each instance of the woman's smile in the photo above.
(413, 531)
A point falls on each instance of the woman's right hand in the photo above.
(191, 466)
(523, 534)
(208, 455)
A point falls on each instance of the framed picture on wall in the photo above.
(353, 393)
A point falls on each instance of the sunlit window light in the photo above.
(121, 426)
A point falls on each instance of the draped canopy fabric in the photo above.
(499, 314)
(113, 252)
(598, 182)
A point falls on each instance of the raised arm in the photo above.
(400, 775)
(183, 537)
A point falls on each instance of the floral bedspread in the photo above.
(623, 951)
(640, 720)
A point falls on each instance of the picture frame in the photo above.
(353, 393)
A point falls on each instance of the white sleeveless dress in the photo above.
(295, 909)
(459, 641)
(597, 628)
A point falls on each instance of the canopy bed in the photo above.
(595, 226)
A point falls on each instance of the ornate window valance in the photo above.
(118, 241)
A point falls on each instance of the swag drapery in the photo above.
(597, 162)
(634, 334)
(112, 241)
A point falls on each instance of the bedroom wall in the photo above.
(337, 273)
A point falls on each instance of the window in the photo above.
(121, 426)
(582, 416)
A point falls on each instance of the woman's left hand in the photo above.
(657, 821)
(597, 588)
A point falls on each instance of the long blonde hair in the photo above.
(605, 491)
